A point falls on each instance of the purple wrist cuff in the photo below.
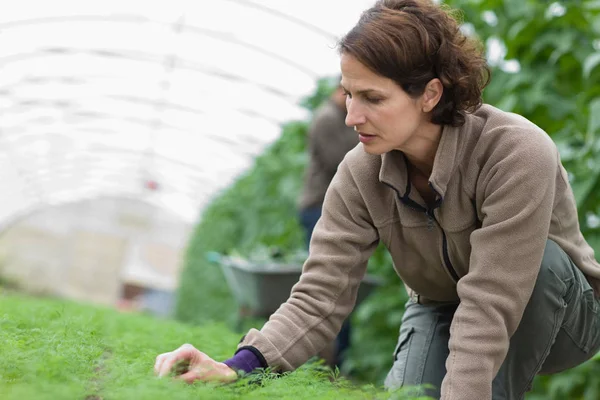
(244, 360)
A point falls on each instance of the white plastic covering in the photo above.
(100, 97)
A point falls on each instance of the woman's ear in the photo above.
(432, 95)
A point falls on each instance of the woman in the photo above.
(474, 207)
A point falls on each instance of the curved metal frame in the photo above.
(170, 62)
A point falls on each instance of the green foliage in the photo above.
(325, 87)
(55, 349)
(556, 85)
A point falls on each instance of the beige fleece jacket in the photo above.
(502, 192)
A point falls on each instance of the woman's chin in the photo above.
(374, 150)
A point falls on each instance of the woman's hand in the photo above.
(190, 364)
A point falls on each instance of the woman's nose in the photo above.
(354, 116)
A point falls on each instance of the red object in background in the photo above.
(151, 185)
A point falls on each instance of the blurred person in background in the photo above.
(473, 204)
(329, 139)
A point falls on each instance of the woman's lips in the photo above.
(365, 137)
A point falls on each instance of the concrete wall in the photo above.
(88, 250)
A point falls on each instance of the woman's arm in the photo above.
(517, 184)
(342, 242)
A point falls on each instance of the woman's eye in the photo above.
(373, 100)
(348, 95)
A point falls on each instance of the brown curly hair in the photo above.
(415, 41)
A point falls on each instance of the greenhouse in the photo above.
(154, 156)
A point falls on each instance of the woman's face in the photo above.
(385, 117)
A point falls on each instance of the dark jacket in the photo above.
(329, 139)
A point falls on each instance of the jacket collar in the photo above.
(394, 172)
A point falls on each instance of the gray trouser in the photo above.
(559, 330)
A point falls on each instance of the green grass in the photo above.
(54, 349)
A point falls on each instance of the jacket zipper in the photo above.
(446, 255)
(446, 263)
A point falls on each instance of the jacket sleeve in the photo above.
(516, 184)
(342, 242)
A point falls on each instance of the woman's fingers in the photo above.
(159, 361)
(165, 362)
(193, 365)
(168, 363)
(209, 371)
(191, 376)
